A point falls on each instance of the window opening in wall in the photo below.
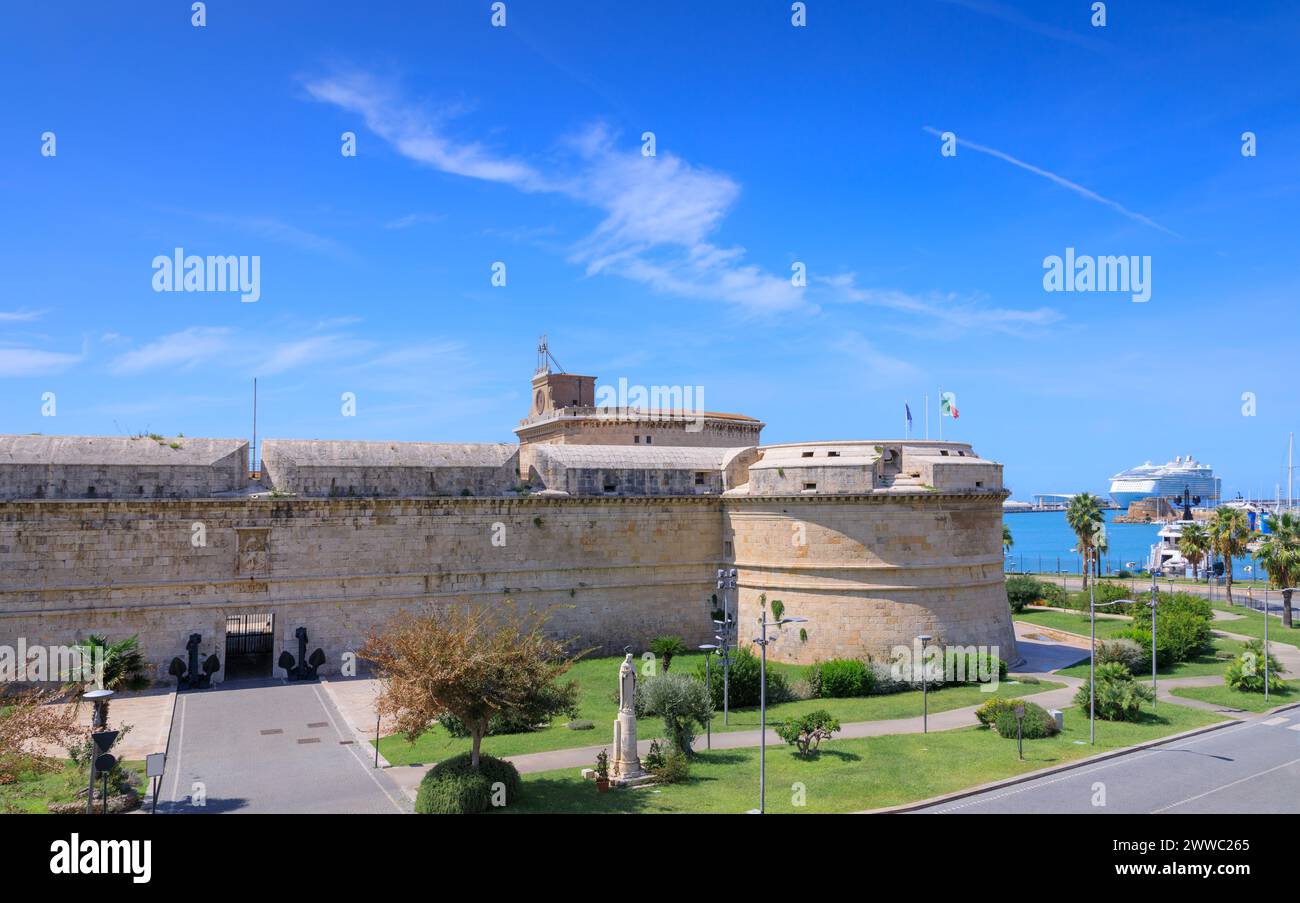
(806, 455)
(808, 486)
(832, 454)
(699, 478)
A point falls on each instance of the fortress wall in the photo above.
(622, 570)
(330, 469)
(126, 480)
(872, 572)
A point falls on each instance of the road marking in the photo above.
(1125, 758)
(1294, 727)
(180, 742)
(1226, 786)
(352, 750)
(1272, 722)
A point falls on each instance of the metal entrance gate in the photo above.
(250, 646)
(249, 634)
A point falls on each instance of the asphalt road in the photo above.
(1251, 767)
(269, 746)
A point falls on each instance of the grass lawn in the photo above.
(1230, 698)
(598, 703)
(1214, 661)
(1073, 623)
(36, 789)
(851, 775)
(1251, 624)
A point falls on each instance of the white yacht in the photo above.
(1166, 481)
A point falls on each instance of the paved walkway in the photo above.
(269, 746)
(149, 713)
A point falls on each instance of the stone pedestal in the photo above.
(625, 769)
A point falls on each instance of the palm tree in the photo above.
(1007, 541)
(1229, 532)
(1085, 518)
(1280, 557)
(123, 666)
(1194, 543)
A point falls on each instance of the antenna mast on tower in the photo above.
(545, 358)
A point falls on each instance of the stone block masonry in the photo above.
(613, 571)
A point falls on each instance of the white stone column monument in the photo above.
(626, 767)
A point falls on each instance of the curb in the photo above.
(1053, 769)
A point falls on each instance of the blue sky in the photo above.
(774, 145)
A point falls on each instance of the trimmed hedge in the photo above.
(840, 678)
(744, 681)
(1036, 725)
(453, 787)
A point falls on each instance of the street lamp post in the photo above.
(925, 689)
(98, 722)
(726, 581)
(1154, 595)
(762, 641)
(708, 649)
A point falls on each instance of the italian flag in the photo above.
(948, 405)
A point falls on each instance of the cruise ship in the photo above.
(1166, 481)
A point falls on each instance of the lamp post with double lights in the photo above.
(762, 642)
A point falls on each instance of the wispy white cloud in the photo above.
(1015, 17)
(258, 356)
(660, 213)
(413, 219)
(36, 362)
(20, 316)
(952, 314)
(415, 134)
(182, 350)
(309, 351)
(1059, 180)
(869, 361)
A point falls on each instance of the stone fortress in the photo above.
(616, 518)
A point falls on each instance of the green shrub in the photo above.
(1126, 652)
(1036, 724)
(988, 713)
(580, 725)
(1181, 635)
(807, 731)
(682, 702)
(1246, 673)
(745, 681)
(1053, 594)
(1119, 695)
(1023, 590)
(674, 769)
(453, 787)
(884, 681)
(840, 678)
(654, 759)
